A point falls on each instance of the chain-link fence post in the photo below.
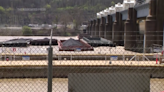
(50, 54)
(50, 49)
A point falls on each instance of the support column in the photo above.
(121, 30)
(108, 27)
(128, 32)
(160, 20)
(117, 30)
(93, 28)
(97, 27)
(150, 27)
(135, 30)
(91, 24)
(102, 27)
(88, 26)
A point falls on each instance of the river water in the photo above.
(59, 85)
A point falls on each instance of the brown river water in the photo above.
(59, 85)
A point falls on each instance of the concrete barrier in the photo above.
(63, 71)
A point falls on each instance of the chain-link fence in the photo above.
(119, 50)
(79, 65)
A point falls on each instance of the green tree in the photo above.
(112, 3)
(9, 9)
(48, 6)
(27, 31)
(2, 10)
(68, 34)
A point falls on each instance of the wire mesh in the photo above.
(107, 55)
(24, 68)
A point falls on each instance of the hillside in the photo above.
(10, 12)
(24, 12)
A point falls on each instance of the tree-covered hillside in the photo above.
(64, 11)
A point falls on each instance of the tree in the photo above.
(48, 6)
(112, 3)
(47, 13)
(65, 18)
(9, 9)
(2, 10)
(27, 31)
